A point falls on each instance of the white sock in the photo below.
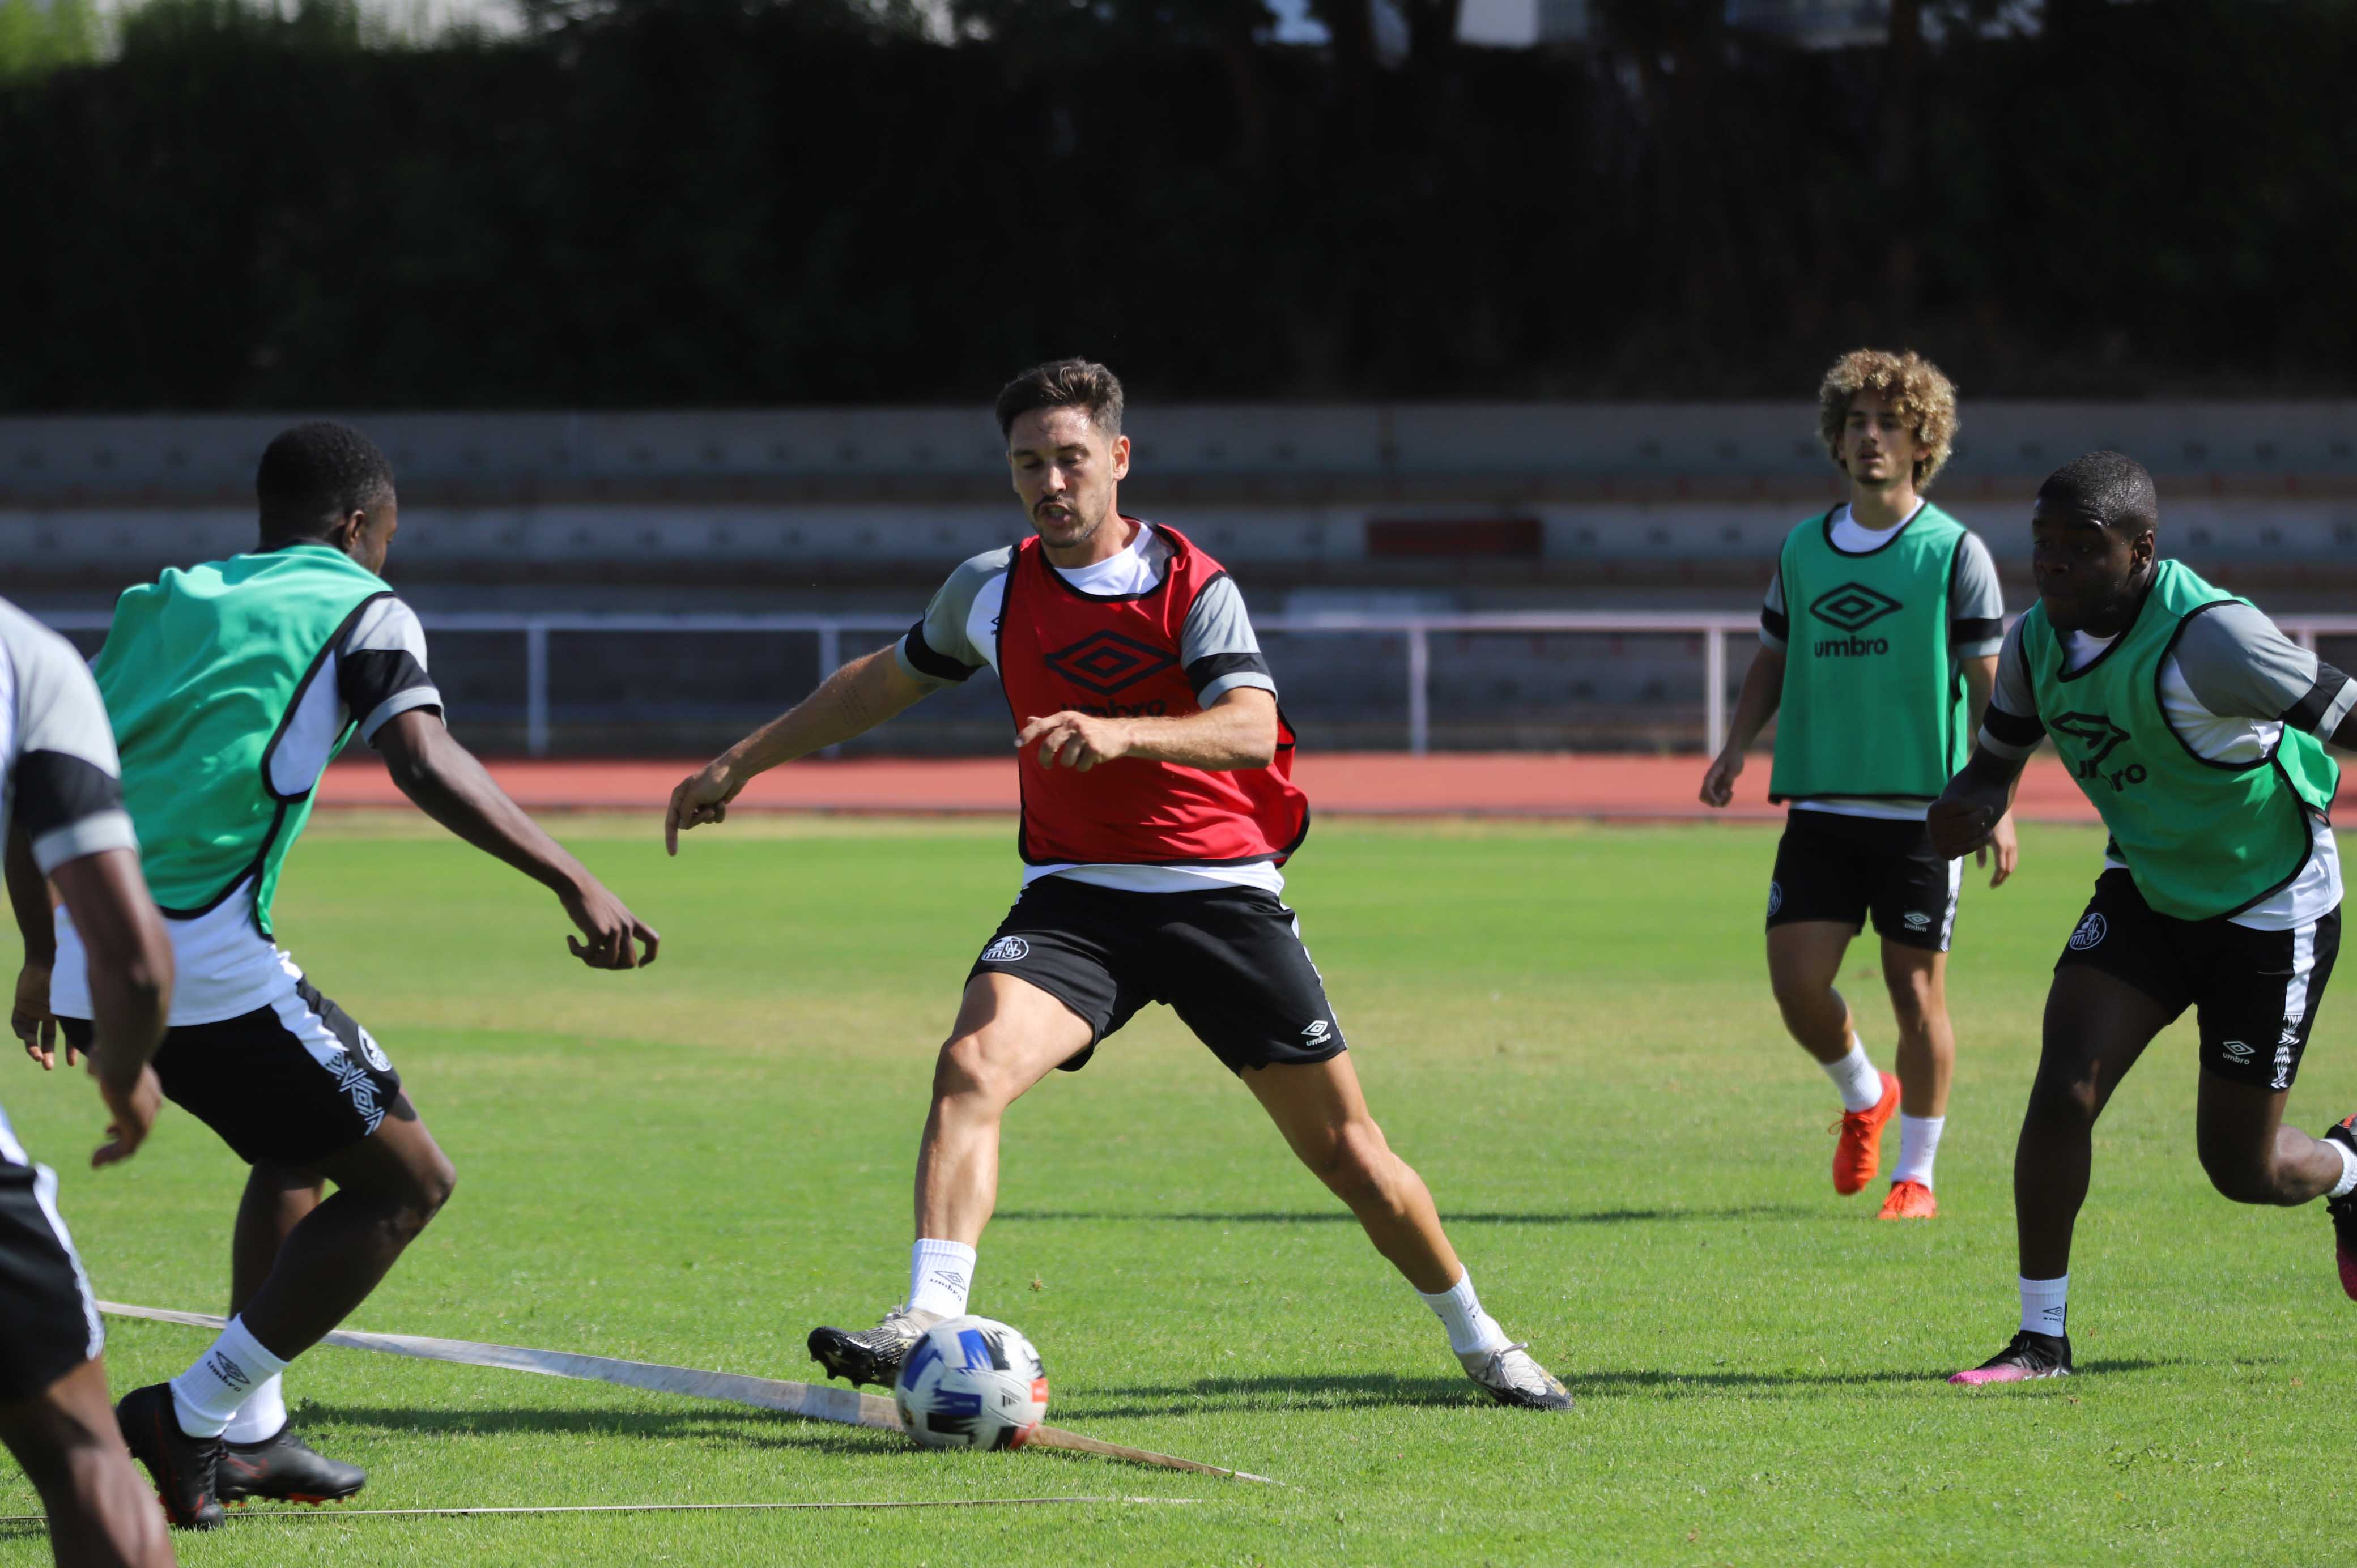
(208, 1392)
(941, 1276)
(2348, 1182)
(2045, 1305)
(263, 1416)
(1919, 1145)
(1470, 1329)
(1854, 1075)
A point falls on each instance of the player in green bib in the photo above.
(1878, 645)
(2197, 729)
(230, 686)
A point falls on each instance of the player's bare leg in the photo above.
(262, 1456)
(102, 1515)
(2096, 1028)
(1917, 980)
(1008, 1036)
(389, 1187)
(1805, 960)
(2250, 1155)
(1319, 1109)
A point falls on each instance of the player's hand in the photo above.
(1718, 782)
(1075, 740)
(31, 1016)
(2007, 847)
(131, 1110)
(608, 929)
(701, 797)
(1960, 824)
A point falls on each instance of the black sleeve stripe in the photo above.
(1212, 666)
(2013, 729)
(367, 679)
(1977, 628)
(1776, 624)
(2309, 711)
(930, 661)
(55, 791)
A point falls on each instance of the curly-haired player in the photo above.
(1877, 647)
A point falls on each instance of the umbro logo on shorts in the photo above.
(1775, 896)
(1007, 949)
(1917, 921)
(2240, 1051)
(1318, 1031)
(2091, 929)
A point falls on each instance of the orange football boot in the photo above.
(1909, 1200)
(1858, 1154)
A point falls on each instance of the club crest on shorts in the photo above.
(1775, 898)
(1007, 949)
(2091, 929)
(374, 1052)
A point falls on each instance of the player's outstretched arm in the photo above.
(1966, 816)
(850, 702)
(1238, 731)
(1763, 693)
(449, 786)
(130, 989)
(29, 900)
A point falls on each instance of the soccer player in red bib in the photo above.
(1159, 806)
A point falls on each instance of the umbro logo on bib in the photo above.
(1007, 949)
(1106, 663)
(1854, 607)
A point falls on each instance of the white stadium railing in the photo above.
(1713, 627)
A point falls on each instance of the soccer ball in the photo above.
(971, 1383)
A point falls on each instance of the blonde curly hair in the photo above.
(1915, 389)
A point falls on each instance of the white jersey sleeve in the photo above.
(64, 781)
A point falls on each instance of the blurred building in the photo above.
(1372, 510)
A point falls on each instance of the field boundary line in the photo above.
(812, 1402)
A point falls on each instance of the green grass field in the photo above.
(1567, 1029)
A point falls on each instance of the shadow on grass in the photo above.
(1344, 1217)
(1376, 1391)
(747, 1428)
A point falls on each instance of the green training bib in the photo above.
(2203, 839)
(1873, 705)
(202, 673)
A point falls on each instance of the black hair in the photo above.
(316, 475)
(1063, 383)
(2111, 488)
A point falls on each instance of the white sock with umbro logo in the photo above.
(1854, 1076)
(206, 1395)
(941, 1276)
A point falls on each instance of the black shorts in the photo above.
(283, 1085)
(48, 1321)
(2256, 992)
(1228, 960)
(1833, 867)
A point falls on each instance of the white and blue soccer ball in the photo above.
(971, 1383)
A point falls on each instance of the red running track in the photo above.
(1507, 784)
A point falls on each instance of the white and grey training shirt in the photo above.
(1217, 648)
(2230, 684)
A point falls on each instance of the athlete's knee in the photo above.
(1917, 996)
(2243, 1175)
(1356, 1163)
(970, 1070)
